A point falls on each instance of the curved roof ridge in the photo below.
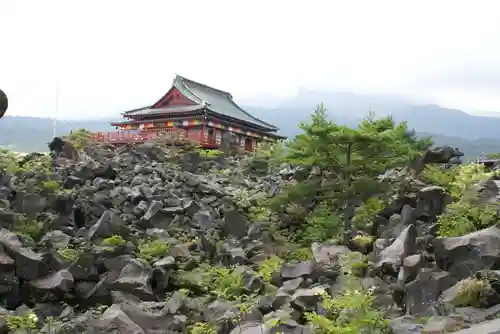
(179, 83)
(136, 109)
(226, 95)
(203, 85)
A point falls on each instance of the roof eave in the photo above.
(167, 113)
(252, 125)
(125, 113)
(251, 116)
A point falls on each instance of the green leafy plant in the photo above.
(153, 250)
(351, 312)
(30, 228)
(209, 154)
(362, 241)
(321, 224)
(471, 292)
(269, 266)
(41, 164)
(463, 217)
(114, 240)
(242, 198)
(259, 211)
(202, 328)
(359, 269)
(353, 158)
(466, 177)
(79, 138)
(26, 321)
(69, 254)
(297, 254)
(51, 185)
(225, 283)
(364, 214)
(439, 176)
(269, 155)
(8, 160)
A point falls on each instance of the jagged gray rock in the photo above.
(94, 250)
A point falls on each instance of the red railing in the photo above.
(122, 137)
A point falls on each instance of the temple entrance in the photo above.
(248, 144)
(211, 136)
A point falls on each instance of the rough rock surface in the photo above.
(114, 241)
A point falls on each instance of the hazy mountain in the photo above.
(473, 134)
(348, 108)
(486, 114)
(28, 134)
(470, 140)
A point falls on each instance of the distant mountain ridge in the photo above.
(475, 135)
(31, 134)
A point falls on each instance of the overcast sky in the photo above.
(114, 55)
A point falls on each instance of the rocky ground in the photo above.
(149, 240)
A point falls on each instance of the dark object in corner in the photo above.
(4, 103)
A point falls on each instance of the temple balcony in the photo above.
(181, 137)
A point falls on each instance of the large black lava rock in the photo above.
(4, 103)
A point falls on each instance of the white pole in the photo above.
(56, 113)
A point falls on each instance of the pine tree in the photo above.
(353, 158)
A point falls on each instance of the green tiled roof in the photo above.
(217, 101)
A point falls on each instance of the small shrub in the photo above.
(259, 212)
(114, 240)
(202, 328)
(25, 322)
(463, 218)
(226, 283)
(153, 250)
(79, 138)
(282, 317)
(8, 160)
(242, 198)
(32, 229)
(359, 269)
(364, 214)
(438, 176)
(40, 164)
(209, 154)
(245, 304)
(362, 240)
(69, 254)
(362, 243)
(351, 312)
(322, 224)
(352, 263)
(50, 185)
(272, 153)
(467, 176)
(471, 292)
(298, 254)
(268, 267)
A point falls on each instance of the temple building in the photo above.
(199, 112)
